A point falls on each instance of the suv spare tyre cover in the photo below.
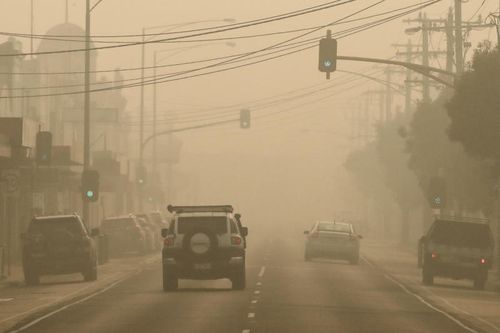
(200, 242)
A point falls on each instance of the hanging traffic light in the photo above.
(245, 118)
(90, 185)
(327, 54)
(43, 148)
(141, 175)
(437, 192)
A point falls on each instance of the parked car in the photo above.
(203, 243)
(124, 234)
(154, 227)
(149, 234)
(58, 245)
(332, 240)
(457, 248)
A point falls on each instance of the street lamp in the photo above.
(169, 27)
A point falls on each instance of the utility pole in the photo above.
(32, 20)
(426, 95)
(141, 118)
(388, 94)
(155, 90)
(86, 110)
(409, 53)
(459, 55)
(449, 41)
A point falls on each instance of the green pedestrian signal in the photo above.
(90, 185)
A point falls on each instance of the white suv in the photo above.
(203, 243)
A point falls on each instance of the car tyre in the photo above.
(170, 281)
(31, 277)
(90, 274)
(427, 275)
(239, 280)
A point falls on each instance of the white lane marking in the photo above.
(484, 321)
(259, 284)
(262, 271)
(245, 331)
(50, 314)
(251, 315)
(256, 292)
(422, 300)
(6, 299)
(254, 301)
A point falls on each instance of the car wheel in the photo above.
(239, 280)
(427, 275)
(90, 274)
(480, 280)
(31, 277)
(170, 281)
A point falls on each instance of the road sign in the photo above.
(9, 182)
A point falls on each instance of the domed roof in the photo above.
(75, 39)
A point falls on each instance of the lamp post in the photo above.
(170, 27)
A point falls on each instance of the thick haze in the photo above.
(290, 163)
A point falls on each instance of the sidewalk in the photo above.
(18, 301)
(481, 308)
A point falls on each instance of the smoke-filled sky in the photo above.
(311, 132)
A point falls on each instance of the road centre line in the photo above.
(251, 315)
(429, 305)
(245, 331)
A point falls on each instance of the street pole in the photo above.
(32, 28)
(425, 60)
(155, 91)
(388, 95)
(141, 126)
(86, 110)
(459, 55)
(409, 50)
(449, 41)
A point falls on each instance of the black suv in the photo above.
(203, 243)
(58, 245)
(458, 249)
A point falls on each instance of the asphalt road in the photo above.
(284, 294)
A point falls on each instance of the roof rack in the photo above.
(200, 209)
(463, 219)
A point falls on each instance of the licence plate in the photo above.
(203, 266)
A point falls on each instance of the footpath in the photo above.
(19, 302)
(458, 298)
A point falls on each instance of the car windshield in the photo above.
(117, 223)
(69, 225)
(461, 234)
(334, 227)
(217, 224)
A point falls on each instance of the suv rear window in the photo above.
(48, 226)
(217, 224)
(461, 234)
(334, 227)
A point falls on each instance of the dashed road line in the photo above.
(4, 300)
(259, 284)
(245, 331)
(256, 292)
(251, 315)
(262, 271)
(254, 301)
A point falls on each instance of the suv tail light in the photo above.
(434, 255)
(168, 241)
(483, 261)
(235, 240)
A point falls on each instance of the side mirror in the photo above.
(95, 232)
(306, 232)
(360, 237)
(164, 232)
(244, 231)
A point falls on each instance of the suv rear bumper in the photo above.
(222, 264)
(456, 270)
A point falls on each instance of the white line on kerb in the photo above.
(245, 331)
(422, 300)
(251, 315)
(262, 271)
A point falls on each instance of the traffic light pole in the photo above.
(86, 112)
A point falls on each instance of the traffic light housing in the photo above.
(245, 118)
(327, 54)
(141, 175)
(437, 192)
(90, 185)
(43, 148)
